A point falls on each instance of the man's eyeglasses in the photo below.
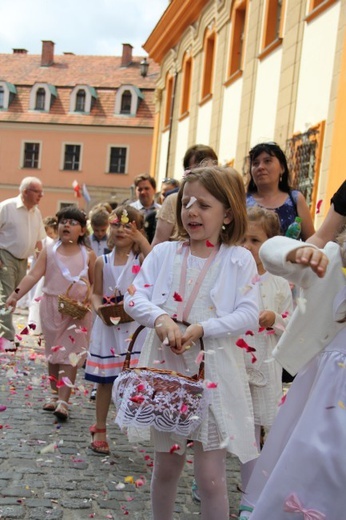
(35, 191)
(71, 221)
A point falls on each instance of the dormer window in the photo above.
(7, 93)
(40, 99)
(42, 96)
(82, 99)
(127, 100)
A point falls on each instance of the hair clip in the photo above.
(124, 217)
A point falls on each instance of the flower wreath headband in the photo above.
(124, 219)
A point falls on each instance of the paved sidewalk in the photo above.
(47, 471)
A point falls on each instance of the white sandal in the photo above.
(61, 411)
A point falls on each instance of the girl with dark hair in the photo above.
(269, 187)
(64, 263)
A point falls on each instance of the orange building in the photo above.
(72, 118)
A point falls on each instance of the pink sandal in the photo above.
(101, 447)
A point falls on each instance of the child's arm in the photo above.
(278, 318)
(29, 280)
(91, 266)
(97, 295)
(310, 257)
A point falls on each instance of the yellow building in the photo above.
(236, 73)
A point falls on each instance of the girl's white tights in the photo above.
(210, 475)
(247, 468)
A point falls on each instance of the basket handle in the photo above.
(87, 296)
(126, 365)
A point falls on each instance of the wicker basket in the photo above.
(74, 308)
(114, 310)
(162, 399)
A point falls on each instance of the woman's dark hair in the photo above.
(77, 214)
(197, 154)
(274, 150)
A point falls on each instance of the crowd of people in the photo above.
(206, 261)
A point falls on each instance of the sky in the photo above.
(84, 27)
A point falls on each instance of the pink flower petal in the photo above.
(177, 297)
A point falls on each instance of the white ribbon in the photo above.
(65, 270)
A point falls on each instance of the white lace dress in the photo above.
(229, 421)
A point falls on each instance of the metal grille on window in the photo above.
(301, 157)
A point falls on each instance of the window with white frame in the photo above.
(117, 159)
(31, 155)
(127, 100)
(72, 157)
(7, 94)
(42, 96)
(82, 99)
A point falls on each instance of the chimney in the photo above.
(47, 57)
(20, 51)
(126, 58)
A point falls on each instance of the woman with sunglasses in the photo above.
(269, 188)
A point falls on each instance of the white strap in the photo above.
(65, 270)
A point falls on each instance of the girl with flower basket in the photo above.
(204, 279)
(112, 328)
(67, 266)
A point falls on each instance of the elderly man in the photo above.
(21, 232)
(146, 204)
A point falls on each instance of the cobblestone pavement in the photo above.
(47, 471)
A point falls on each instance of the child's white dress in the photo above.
(302, 468)
(229, 421)
(109, 344)
(265, 374)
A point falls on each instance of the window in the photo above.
(316, 7)
(186, 87)
(168, 104)
(117, 160)
(7, 94)
(31, 155)
(80, 101)
(208, 70)
(40, 99)
(303, 153)
(126, 99)
(72, 157)
(237, 38)
(272, 30)
(63, 205)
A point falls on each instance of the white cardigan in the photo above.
(308, 332)
(235, 294)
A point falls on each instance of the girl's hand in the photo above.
(191, 336)
(168, 332)
(310, 257)
(11, 302)
(266, 319)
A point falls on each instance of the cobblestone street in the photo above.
(47, 469)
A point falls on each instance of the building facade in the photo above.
(82, 124)
(234, 73)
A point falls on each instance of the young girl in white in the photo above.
(62, 263)
(108, 344)
(301, 472)
(276, 306)
(211, 218)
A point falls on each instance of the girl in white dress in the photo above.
(276, 306)
(211, 218)
(108, 344)
(301, 472)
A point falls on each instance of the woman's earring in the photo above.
(281, 177)
(223, 227)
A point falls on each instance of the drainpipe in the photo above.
(171, 122)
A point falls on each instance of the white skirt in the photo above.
(304, 454)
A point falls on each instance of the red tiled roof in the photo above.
(104, 73)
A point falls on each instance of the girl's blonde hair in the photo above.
(226, 185)
(267, 218)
